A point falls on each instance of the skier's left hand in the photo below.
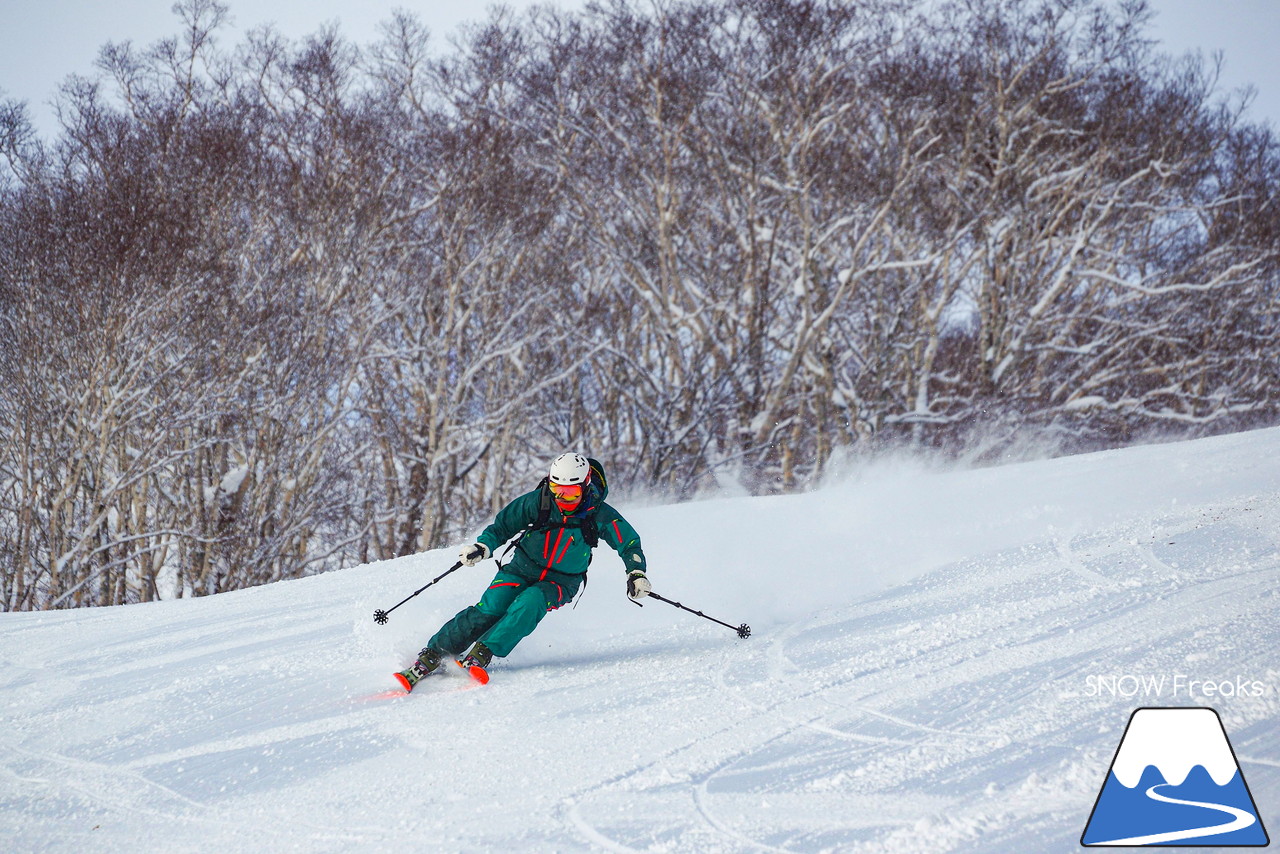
(638, 585)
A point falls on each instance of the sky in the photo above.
(41, 43)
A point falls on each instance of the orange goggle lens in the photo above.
(566, 492)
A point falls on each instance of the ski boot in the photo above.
(428, 660)
(475, 662)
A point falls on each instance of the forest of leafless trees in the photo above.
(274, 308)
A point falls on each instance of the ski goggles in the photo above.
(566, 491)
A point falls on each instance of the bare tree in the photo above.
(277, 311)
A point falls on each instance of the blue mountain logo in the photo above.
(1175, 781)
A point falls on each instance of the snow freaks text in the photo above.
(1172, 686)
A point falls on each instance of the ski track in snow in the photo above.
(947, 711)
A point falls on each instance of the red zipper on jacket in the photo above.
(565, 550)
(551, 560)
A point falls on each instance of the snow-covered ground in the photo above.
(931, 669)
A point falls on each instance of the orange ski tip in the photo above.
(477, 673)
(404, 683)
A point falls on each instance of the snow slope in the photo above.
(940, 663)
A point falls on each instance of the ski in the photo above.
(477, 672)
(408, 678)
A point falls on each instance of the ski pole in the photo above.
(380, 616)
(744, 631)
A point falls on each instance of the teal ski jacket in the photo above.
(560, 545)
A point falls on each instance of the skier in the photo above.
(559, 523)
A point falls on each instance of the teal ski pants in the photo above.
(507, 613)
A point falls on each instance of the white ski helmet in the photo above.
(568, 469)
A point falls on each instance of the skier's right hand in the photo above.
(474, 553)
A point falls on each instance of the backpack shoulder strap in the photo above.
(544, 505)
